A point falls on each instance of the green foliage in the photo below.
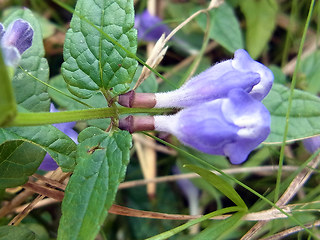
(225, 28)
(61, 148)
(16, 233)
(18, 160)
(29, 93)
(92, 61)
(304, 117)
(260, 23)
(31, 96)
(102, 160)
(218, 230)
(219, 184)
(100, 63)
(97, 100)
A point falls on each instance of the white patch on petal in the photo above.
(249, 125)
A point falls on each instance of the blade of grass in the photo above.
(219, 184)
(236, 180)
(176, 230)
(293, 83)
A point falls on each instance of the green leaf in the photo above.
(219, 184)
(167, 234)
(16, 233)
(261, 21)
(8, 106)
(218, 230)
(92, 62)
(225, 28)
(304, 118)
(60, 147)
(97, 100)
(31, 94)
(102, 160)
(18, 160)
(279, 76)
(310, 68)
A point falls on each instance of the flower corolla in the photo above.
(15, 40)
(232, 126)
(216, 82)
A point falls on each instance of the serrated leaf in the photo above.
(92, 62)
(18, 160)
(61, 148)
(304, 118)
(97, 100)
(219, 184)
(102, 160)
(16, 233)
(260, 18)
(8, 106)
(31, 94)
(225, 27)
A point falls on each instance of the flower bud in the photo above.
(216, 82)
(232, 126)
(15, 40)
(150, 28)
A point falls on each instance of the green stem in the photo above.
(42, 118)
(293, 83)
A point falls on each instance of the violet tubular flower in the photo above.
(216, 82)
(150, 28)
(232, 126)
(15, 40)
(48, 164)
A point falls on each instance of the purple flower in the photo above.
(150, 28)
(48, 164)
(216, 82)
(15, 40)
(232, 126)
(312, 144)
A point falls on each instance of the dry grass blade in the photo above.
(291, 191)
(160, 48)
(286, 233)
(17, 219)
(57, 175)
(154, 59)
(262, 170)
